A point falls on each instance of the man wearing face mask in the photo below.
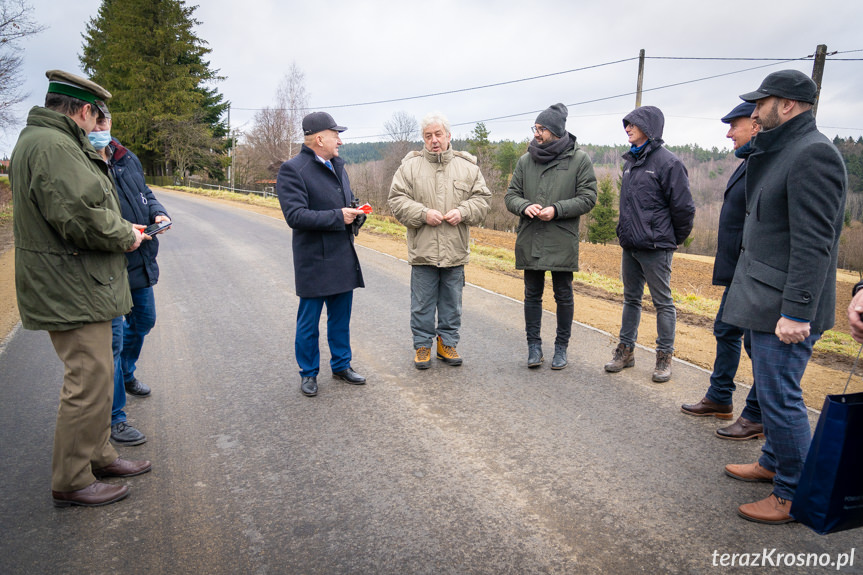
(139, 206)
(70, 278)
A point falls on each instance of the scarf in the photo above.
(744, 150)
(544, 153)
(636, 150)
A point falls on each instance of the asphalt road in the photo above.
(487, 468)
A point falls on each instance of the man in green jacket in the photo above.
(70, 277)
(552, 186)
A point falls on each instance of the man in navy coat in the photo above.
(717, 401)
(316, 196)
(784, 286)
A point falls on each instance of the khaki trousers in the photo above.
(84, 417)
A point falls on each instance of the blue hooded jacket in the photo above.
(656, 206)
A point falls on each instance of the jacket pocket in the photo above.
(98, 268)
(462, 190)
(766, 274)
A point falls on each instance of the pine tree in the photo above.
(603, 216)
(146, 53)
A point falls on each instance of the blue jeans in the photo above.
(435, 289)
(726, 363)
(306, 347)
(778, 368)
(653, 267)
(138, 324)
(534, 285)
(119, 401)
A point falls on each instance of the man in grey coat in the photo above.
(784, 286)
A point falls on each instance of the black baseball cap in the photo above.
(791, 84)
(318, 122)
(742, 110)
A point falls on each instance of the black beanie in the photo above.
(554, 118)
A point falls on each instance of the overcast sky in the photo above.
(355, 52)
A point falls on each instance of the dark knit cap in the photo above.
(554, 118)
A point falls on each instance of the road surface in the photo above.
(486, 468)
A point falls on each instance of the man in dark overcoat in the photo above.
(316, 198)
(784, 287)
(717, 401)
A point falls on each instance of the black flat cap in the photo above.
(790, 84)
(743, 110)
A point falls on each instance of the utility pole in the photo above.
(230, 150)
(640, 78)
(818, 72)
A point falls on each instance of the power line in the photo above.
(449, 91)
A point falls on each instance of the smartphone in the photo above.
(156, 228)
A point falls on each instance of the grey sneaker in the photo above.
(559, 359)
(623, 357)
(662, 373)
(124, 434)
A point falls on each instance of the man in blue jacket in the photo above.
(784, 287)
(656, 215)
(139, 206)
(717, 401)
(316, 197)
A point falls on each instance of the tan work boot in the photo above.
(422, 359)
(447, 353)
(623, 357)
(662, 372)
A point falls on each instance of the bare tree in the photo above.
(403, 130)
(277, 133)
(188, 144)
(15, 24)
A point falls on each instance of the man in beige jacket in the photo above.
(437, 193)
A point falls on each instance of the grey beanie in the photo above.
(554, 118)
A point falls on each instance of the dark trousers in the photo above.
(306, 346)
(726, 363)
(534, 285)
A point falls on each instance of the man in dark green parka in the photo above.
(70, 277)
(552, 186)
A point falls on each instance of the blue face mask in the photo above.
(99, 139)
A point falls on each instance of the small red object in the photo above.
(365, 208)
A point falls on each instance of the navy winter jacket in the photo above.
(139, 206)
(731, 219)
(656, 207)
(312, 197)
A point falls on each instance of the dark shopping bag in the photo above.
(829, 496)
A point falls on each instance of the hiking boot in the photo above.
(534, 355)
(662, 372)
(624, 356)
(559, 359)
(422, 359)
(447, 353)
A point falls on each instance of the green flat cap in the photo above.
(60, 82)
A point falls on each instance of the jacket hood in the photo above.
(649, 120)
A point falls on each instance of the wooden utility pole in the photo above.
(640, 78)
(818, 72)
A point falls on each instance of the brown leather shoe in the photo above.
(749, 472)
(623, 357)
(706, 407)
(93, 495)
(123, 468)
(773, 511)
(741, 430)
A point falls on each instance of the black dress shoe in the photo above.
(349, 376)
(137, 388)
(309, 386)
